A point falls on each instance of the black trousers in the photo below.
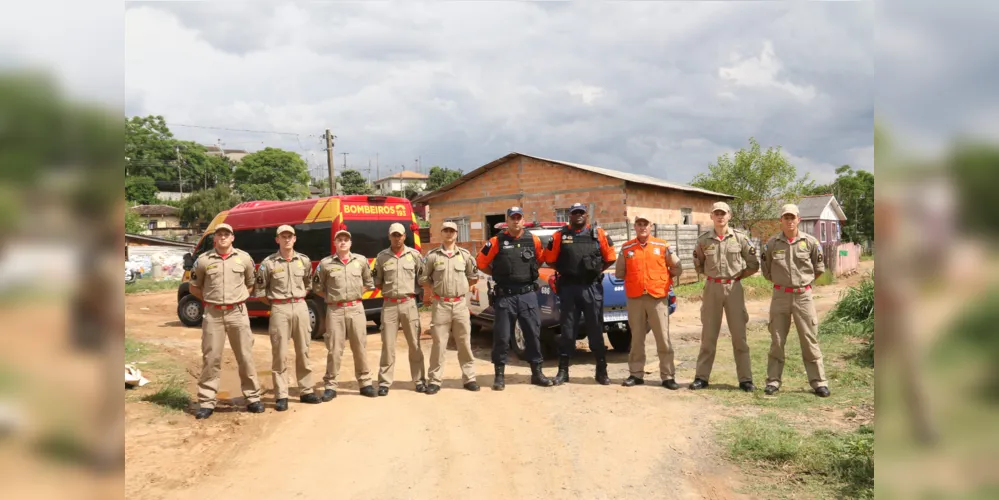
(588, 300)
(517, 309)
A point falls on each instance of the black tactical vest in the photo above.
(579, 258)
(516, 262)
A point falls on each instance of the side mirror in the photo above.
(188, 261)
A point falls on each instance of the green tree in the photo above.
(152, 151)
(352, 182)
(202, 206)
(761, 181)
(285, 174)
(409, 193)
(440, 177)
(855, 192)
(133, 222)
(140, 189)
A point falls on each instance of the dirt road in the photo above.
(581, 440)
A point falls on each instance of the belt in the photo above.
(224, 307)
(404, 299)
(285, 301)
(793, 290)
(505, 291)
(448, 299)
(721, 280)
(346, 304)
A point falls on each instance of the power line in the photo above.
(238, 129)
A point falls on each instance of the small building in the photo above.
(822, 217)
(162, 221)
(400, 181)
(545, 189)
(235, 155)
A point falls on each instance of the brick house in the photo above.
(546, 188)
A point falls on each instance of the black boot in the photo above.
(538, 377)
(498, 383)
(563, 371)
(601, 376)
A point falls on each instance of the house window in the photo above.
(823, 228)
(686, 216)
(151, 224)
(462, 224)
(561, 215)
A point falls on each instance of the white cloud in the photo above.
(457, 85)
(763, 72)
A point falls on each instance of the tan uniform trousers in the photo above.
(727, 297)
(343, 324)
(451, 318)
(647, 312)
(290, 320)
(215, 327)
(407, 316)
(783, 307)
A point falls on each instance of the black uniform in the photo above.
(580, 291)
(515, 272)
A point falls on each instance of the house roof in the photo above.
(625, 176)
(148, 210)
(155, 240)
(405, 174)
(213, 149)
(811, 207)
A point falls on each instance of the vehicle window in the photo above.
(205, 245)
(371, 236)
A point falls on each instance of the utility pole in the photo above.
(345, 160)
(180, 180)
(329, 161)
(418, 164)
(376, 167)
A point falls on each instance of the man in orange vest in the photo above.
(647, 265)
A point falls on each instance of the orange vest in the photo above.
(645, 268)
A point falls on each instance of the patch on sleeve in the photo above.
(752, 250)
(487, 247)
(610, 242)
(260, 279)
(820, 255)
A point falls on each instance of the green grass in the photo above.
(825, 280)
(754, 287)
(151, 285)
(172, 395)
(829, 464)
(807, 459)
(864, 258)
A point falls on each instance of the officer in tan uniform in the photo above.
(725, 256)
(223, 279)
(396, 271)
(341, 279)
(450, 270)
(792, 260)
(283, 280)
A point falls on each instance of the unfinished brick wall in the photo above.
(657, 204)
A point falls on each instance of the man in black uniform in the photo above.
(580, 254)
(512, 258)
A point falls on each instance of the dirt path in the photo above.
(581, 440)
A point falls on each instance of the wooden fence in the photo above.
(681, 238)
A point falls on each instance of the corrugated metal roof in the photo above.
(625, 176)
(811, 207)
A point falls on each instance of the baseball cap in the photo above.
(721, 205)
(223, 226)
(397, 228)
(642, 217)
(790, 208)
(342, 231)
(514, 210)
(285, 228)
(577, 206)
(449, 225)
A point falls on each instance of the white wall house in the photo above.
(399, 181)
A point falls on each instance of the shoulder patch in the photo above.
(487, 247)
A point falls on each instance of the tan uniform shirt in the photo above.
(449, 275)
(396, 276)
(342, 282)
(280, 279)
(792, 264)
(224, 281)
(726, 258)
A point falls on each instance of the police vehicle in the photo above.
(615, 313)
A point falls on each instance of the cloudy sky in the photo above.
(654, 88)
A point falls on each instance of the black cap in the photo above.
(514, 210)
(577, 206)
